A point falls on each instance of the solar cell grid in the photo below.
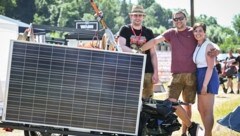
(70, 87)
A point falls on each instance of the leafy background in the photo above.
(64, 13)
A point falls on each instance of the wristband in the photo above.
(134, 51)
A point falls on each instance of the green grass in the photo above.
(223, 110)
(224, 104)
(226, 107)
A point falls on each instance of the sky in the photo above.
(222, 10)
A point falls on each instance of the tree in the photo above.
(6, 6)
(23, 11)
(70, 12)
(227, 38)
(157, 16)
(230, 43)
(124, 10)
(207, 20)
(60, 12)
(18, 9)
(46, 12)
(159, 30)
(110, 12)
(146, 3)
(214, 34)
(236, 23)
(88, 17)
(120, 21)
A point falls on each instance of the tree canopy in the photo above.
(64, 13)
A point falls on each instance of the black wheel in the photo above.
(37, 133)
(26, 133)
(32, 133)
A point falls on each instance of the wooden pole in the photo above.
(192, 12)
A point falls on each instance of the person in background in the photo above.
(229, 63)
(131, 37)
(238, 72)
(220, 74)
(207, 77)
(28, 35)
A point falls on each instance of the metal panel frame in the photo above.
(74, 128)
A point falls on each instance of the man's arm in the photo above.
(150, 44)
(122, 43)
(154, 60)
(214, 51)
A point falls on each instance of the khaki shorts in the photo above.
(184, 83)
(147, 86)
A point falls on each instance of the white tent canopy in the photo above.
(14, 21)
(8, 31)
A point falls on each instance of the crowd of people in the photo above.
(228, 69)
(193, 65)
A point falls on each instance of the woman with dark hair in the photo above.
(207, 77)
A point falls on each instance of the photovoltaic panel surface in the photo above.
(74, 88)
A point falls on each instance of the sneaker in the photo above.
(184, 134)
(231, 92)
(238, 92)
(193, 130)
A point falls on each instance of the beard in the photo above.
(181, 26)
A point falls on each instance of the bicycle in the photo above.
(158, 118)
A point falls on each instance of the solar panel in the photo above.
(74, 88)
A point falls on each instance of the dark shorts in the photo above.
(222, 80)
(230, 76)
(213, 84)
(184, 83)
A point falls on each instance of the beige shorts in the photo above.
(184, 83)
(147, 86)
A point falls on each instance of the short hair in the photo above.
(180, 12)
(200, 24)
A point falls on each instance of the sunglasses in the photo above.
(178, 19)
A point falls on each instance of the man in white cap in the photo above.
(131, 38)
